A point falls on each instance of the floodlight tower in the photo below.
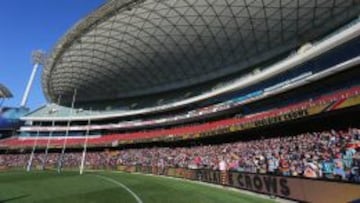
(38, 58)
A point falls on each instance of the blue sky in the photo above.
(30, 25)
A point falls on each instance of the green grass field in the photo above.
(109, 187)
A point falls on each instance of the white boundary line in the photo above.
(121, 185)
(247, 192)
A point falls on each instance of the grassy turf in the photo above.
(51, 187)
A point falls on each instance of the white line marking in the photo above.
(121, 185)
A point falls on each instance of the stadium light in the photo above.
(38, 58)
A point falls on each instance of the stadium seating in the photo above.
(331, 100)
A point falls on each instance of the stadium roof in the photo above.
(5, 92)
(131, 47)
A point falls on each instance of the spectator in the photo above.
(328, 154)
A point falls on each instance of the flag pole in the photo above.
(85, 146)
(61, 157)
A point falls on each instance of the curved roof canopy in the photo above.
(131, 48)
(5, 92)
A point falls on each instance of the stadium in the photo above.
(194, 101)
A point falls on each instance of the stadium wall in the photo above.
(294, 188)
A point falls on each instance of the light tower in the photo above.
(38, 58)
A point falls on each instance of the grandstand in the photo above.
(236, 93)
(4, 94)
(9, 116)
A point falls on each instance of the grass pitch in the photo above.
(50, 187)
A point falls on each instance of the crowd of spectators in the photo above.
(328, 154)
